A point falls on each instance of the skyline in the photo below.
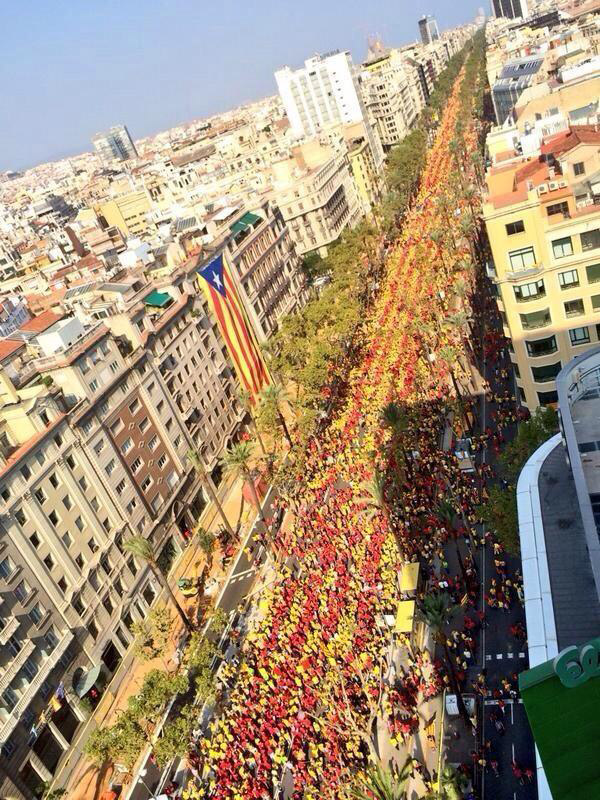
(77, 98)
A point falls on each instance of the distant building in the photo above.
(324, 92)
(510, 8)
(115, 144)
(515, 77)
(428, 29)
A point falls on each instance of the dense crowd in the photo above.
(310, 681)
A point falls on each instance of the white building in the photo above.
(325, 93)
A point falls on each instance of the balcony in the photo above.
(46, 667)
(15, 665)
(536, 321)
(521, 274)
(8, 630)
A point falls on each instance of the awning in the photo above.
(238, 227)
(410, 578)
(405, 616)
(158, 299)
(250, 219)
(86, 681)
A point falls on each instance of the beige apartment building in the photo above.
(392, 95)
(317, 196)
(130, 213)
(543, 221)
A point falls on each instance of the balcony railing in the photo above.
(8, 630)
(535, 324)
(15, 665)
(531, 298)
(46, 667)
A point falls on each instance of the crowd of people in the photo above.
(310, 681)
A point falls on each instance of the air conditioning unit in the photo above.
(553, 186)
(562, 184)
(542, 189)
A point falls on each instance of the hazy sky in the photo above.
(70, 68)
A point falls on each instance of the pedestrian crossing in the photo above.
(502, 656)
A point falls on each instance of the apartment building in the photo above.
(129, 212)
(367, 179)
(543, 220)
(115, 144)
(392, 95)
(428, 29)
(317, 196)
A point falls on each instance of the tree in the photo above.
(382, 783)
(236, 461)
(142, 549)
(206, 542)
(174, 741)
(449, 356)
(148, 703)
(453, 783)
(120, 743)
(530, 435)
(153, 633)
(196, 461)
(271, 399)
(46, 792)
(500, 514)
(245, 399)
(437, 610)
(397, 420)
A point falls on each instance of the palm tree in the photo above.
(196, 461)
(383, 783)
(374, 497)
(437, 611)
(245, 399)
(236, 461)
(452, 783)
(271, 397)
(142, 549)
(449, 356)
(397, 420)
(206, 542)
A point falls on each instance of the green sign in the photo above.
(576, 665)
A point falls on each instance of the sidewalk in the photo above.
(85, 781)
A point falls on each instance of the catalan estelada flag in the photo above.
(239, 336)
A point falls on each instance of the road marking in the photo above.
(510, 655)
(498, 656)
(512, 714)
(521, 655)
(513, 751)
(488, 658)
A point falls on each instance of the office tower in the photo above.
(428, 29)
(114, 145)
(510, 8)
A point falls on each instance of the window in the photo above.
(79, 561)
(143, 426)
(110, 467)
(558, 208)
(9, 698)
(49, 562)
(156, 502)
(547, 373)
(127, 445)
(25, 472)
(579, 335)
(117, 426)
(150, 387)
(579, 168)
(40, 496)
(14, 645)
(529, 291)
(146, 483)
(136, 465)
(36, 614)
(569, 279)
(92, 545)
(562, 247)
(573, 308)
(593, 273)
(153, 443)
(132, 565)
(87, 425)
(159, 406)
(162, 461)
(53, 481)
(35, 540)
(58, 440)
(51, 640)
(169, 423)
(78, 605)
(135, 406)
(94, 385)
(62, 584)
(131, 505)
(54, 518)
(105, 564)
(6, 567)
(120, 487)
(515, 227)
(99, 447)
(67, 502)
(541, 347)
(537, 319)
(176, 441)
(83, 483)
(94, 503)
(114, 367)
(5, 493)
(79, 523)
(20, 516)
(590, 240)
(547, 398)
(67, 540)
(107, 603)
(92, 629)
(70, 461)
